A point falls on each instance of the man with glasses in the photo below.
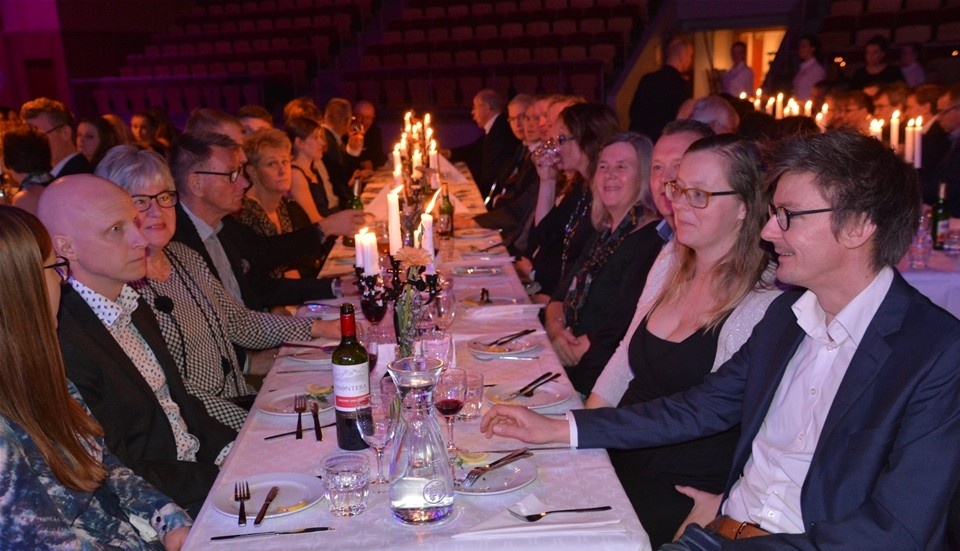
(948, 168)
(54, 119)
(487, 156)
(845, 393)
(113, 349)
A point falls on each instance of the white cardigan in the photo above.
(616, 376)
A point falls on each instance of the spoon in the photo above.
(537, 516)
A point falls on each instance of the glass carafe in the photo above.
(421, 481)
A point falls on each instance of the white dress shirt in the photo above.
(769, 491)
(738, 79)
(214, 247)
(809, 73)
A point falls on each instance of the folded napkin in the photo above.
(449, 173)
(503, 311)
(504, 525)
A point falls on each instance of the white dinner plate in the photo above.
(546, 395)
(512, 348)
(508, 478)
(314, 356)
(477, 271)
(281, 401)
(474, 233)
(297, 493)
(322, 311)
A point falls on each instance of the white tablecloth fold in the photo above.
(505, 525)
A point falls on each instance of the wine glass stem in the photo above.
(379, 452)
(451, 447)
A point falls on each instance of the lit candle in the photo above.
(770, 103)
(417, 159)
(820, 123)
(397, 175)
(756, 104)
(393, 221)
(373, 256)
(434, 160)
(426, 221)
(743, 95)
(759, 93)
(358, 248)
(396, 156)
(779, 111)
(808, 109)
(918, 144)
(876, 129)
(908, 140)
(428, 135)
(895, 130)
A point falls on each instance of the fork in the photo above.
(241, 493)
(537, 516)
(476, 472)
(300, 406)
(314, 410)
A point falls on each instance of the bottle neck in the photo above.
(348, 327)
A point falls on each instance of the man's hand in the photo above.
(175, 538)
(705, 508)
(345, 222)
(525, 425)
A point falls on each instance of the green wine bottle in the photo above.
(940, 221)
(355, 204)
(445, 221)
(351, 380)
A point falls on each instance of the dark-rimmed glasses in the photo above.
(165, 199)
(232, 175)
(696, 198)
(61, 267)
(783, 215)
(55, 128)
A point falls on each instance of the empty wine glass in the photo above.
(443, 308)
(448, 397)
(376, 420)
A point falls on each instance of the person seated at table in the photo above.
(373, 155)
(207, 170)
(855, 108)
(200, 322)
(344, 138)
(26, 155)
(561, 227)
(113, 347)
(922, 102)
(490, 152)
(875, 70)
(716, 284)
(253, 118)
(94, 138)
(589, 312)
(266, 210)
(845, 393)
(717, 113)
(144, 127)
(61, 488)
(311, 182)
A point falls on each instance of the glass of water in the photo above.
(346, 479)
(376, 420)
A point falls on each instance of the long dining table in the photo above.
(564, 477)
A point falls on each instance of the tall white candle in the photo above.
(373, 256)
(808, 109)
(396, 156)
(417, 159)
(393, 222)
(358, 248)
(426, 221)
(779, 111)
(820, 123)
(770, 103)
(908, 140)
(756, 104)
(397, 176)
(895, 130)
(876, 129)
(918, 144)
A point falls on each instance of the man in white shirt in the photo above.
(54, 119)
(846, 394)
(739, 78)
(810, 71)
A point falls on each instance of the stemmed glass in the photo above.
(448, 397)
(377, 420)
(443, 308)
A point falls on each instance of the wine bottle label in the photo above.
(350, 383)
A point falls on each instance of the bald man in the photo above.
(113, 349)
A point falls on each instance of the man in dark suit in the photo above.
(54, 119)
(206, 170)
(488, 155)
(660, 93)
(113, 349)
(373, 151)
(947, 169)
(847, 394)
(344, 147)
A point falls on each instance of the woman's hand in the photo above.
(524, 268)
(345, 222)
(570, 348)
(175, 538)
(705, 508)
(524, 424)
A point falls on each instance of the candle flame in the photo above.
(919, 121)
(363, 231)
(432, 201)
(896, 115)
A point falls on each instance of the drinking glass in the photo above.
(346, 481)
(443, 308)
(472, 398)
(448, 399)
(376, 420)
(437, 345)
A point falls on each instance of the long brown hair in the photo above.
(33, 382)
(739, 271)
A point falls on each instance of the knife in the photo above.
(291, 433)
(271, 495)
(508, 338)
(526, 387)
(254, 534)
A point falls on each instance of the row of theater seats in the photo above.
(438, 8)
(293, 69)
(312, 49)
(268, 8)
(343, 23)
(179, 97)
(400, 88)
(838, 31)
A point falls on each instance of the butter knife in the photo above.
(271, 495)
(254, 534)
(526, 387)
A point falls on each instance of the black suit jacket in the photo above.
(657, 100)
(487, 156)
(340, 165)
(947, 170)
(77, 165)
(886, 462)
(373, 147)
(135, 427)
(512, 213)
(253, 257)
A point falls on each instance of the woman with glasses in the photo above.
(591, 308)
(692, 318)
(199, 320)
(60, 488)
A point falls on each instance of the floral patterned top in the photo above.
(38, 512)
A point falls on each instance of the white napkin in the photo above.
(449, 173)
(503, 311)
(504, 525)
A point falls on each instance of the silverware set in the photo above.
(300, 406)
(241, 493)
(508, 338)
(476, 472)
(537, 516)
(527, 390)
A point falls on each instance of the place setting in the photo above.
(515, 346)
(542, 392)
(532, 517)
(295, 492)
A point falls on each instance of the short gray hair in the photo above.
(134, 169)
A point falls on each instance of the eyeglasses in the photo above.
(55, 128)
(561, 139)
(783, 216)
(232, 175)
(165, 199)
(61, 267)
(696, 198)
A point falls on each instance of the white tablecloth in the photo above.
(939, 281)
